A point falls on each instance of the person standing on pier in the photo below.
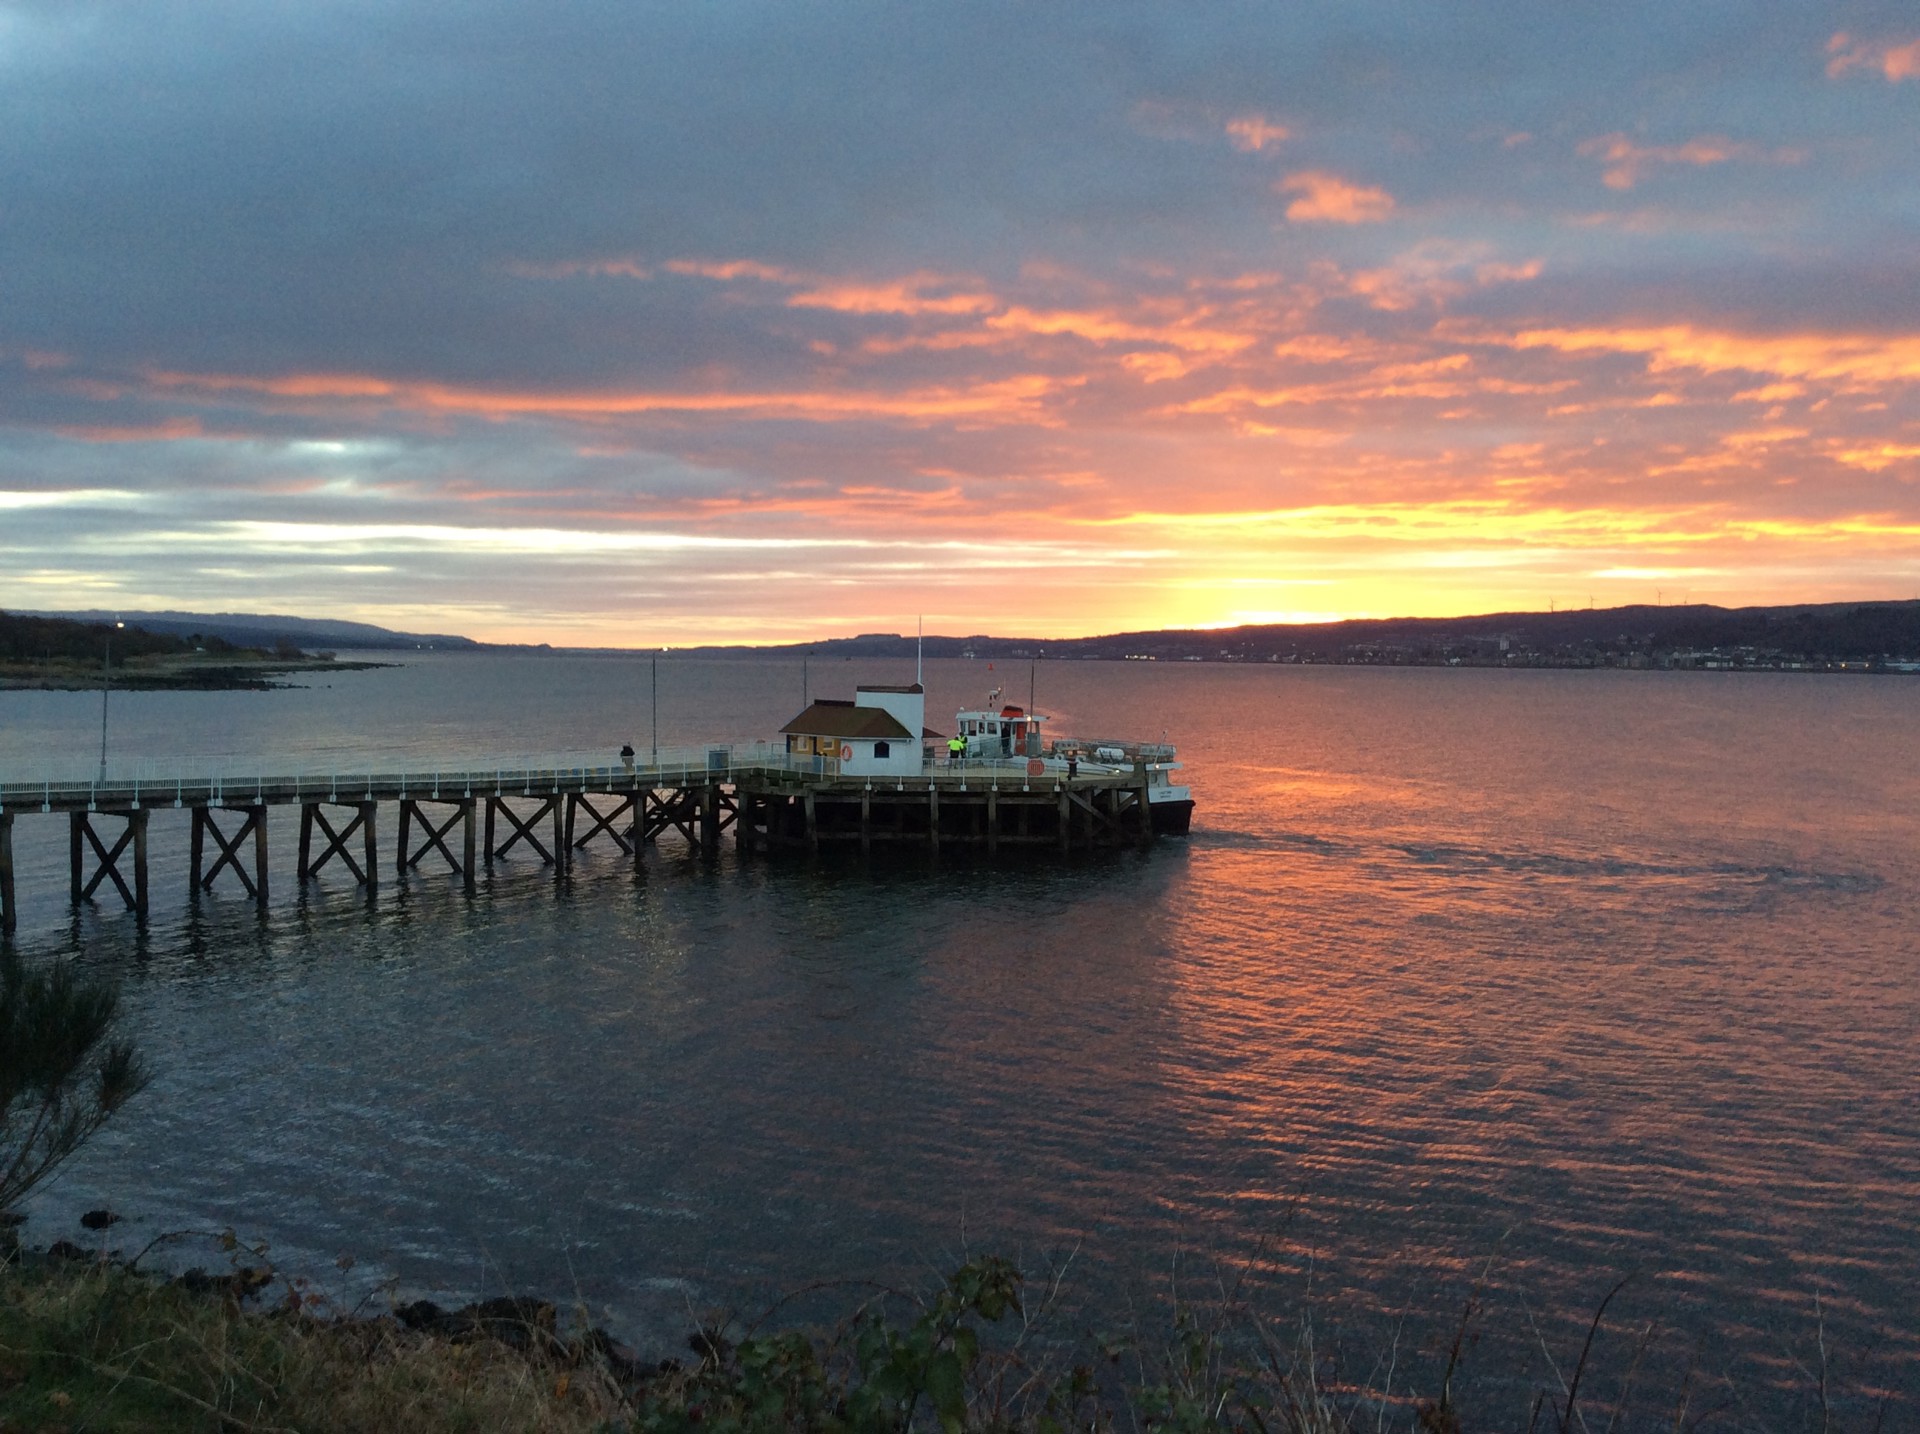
(956, 748)
(626, 757)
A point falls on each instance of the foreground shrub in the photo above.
(62, 1075)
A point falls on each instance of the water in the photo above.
(1522, 982)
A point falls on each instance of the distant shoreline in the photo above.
(173, 674)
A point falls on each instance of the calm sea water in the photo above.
(1511, 982)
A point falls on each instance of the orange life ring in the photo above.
(846, 751)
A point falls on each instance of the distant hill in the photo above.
(1822, 632)
(1799, 633)
(267, 631)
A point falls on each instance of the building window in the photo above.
(882, 749)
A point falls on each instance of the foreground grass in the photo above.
(89, 1345)
(93, 1344)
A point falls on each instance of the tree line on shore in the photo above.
(46, 641)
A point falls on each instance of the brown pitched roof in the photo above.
(842, 719)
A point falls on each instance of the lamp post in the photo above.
(106, 685)
(656, 711)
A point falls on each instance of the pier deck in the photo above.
(472, 814)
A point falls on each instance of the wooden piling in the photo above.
(9, 912)
(257, 816)
(138, 821)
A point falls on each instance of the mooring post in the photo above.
(993, 820)
(813, 831)
(1142, 804)
(257, 818)
(710, 818)
(468, 833)
(933, 817)
(9, 917)
(866, 820)
(367, 810)
(76, 829)
(562, 853)
(138, 821)
(1066, 819)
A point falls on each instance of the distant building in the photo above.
(881, 733)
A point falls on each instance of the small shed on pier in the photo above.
(878, 734)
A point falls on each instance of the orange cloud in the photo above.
(1255, 132)
(1005, 398)
(1855, 358)
(1107, 328)
(901, 297)
(1878, 457)
(1625, 160)
(1327, 198)
(164, 432)
(731, 269)
(1897, 62)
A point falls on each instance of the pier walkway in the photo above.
(471, 814)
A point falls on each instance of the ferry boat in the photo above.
(1005, 733)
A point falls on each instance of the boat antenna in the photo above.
(1032, 663)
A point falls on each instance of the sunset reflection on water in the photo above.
(1517, 982)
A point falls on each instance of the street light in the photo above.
(106, 683)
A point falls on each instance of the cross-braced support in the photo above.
(434, 838)
(313, 814)
(676, 807)
(253, 824)
(550, 808)
(82, 835)
(625, 833)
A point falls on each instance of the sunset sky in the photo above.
(626, 324)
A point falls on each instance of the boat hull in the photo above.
(1171, 818)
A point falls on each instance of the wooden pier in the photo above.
(770, 800)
